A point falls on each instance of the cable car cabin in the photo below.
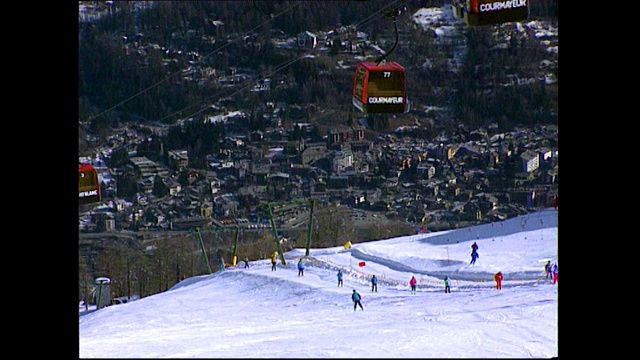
(88, 184)
(380, 88)
(489, 12)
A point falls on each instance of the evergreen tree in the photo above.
(159, 188)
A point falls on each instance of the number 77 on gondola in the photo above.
(380, 88)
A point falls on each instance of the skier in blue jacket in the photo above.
(356, 300)
(340, 277)
(474, 256)
(300, 268)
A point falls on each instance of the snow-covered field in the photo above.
(257, 312)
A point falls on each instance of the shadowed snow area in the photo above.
(257, 312)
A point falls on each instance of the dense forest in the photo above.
(118, 83)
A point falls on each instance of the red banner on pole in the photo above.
(361, 263)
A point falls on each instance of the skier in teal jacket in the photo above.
(356, 300)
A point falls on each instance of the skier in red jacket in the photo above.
(413, 282)
(498, 278)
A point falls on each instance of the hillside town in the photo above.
(440, 182)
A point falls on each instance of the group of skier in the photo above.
(551, 272)
(274, 267)
(497, 277)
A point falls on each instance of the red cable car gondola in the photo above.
(88, 184)
(489, 12)
(380, 88)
